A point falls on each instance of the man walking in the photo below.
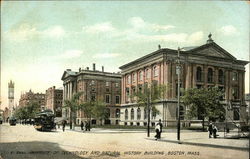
(63, 124)
(210, 129)
(82, 125)
(160, 124)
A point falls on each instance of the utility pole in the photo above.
(178, 70)
(148, 107)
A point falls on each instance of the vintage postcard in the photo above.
(124, 79)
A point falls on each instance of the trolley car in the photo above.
(44, 121)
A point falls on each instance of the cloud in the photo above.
(54, 32)
(139, 23)
(99, 28)
(195, 37)
(106, 55)
(71, 54)
(228, 30)
(28, 32)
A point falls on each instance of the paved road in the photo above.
(24, 142)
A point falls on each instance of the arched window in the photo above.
(138, 114)
(128, 79)
(210, 75)
(134, 77)
(132, 114)
(221, 77)
(198, 74)
(145, 114)
(147, 74)
(155, 71)
(140, 76)
(126, 114)
(117, 113)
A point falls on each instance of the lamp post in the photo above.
(178, 70)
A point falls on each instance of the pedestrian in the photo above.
(215, 131)
(160, 124)
(210, 129)
(63, 124)
(82, 125)
(157, 130)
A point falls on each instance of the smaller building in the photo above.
(53, 100)
(30, 96)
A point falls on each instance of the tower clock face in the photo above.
(11, 94)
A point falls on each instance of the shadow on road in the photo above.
(39, 150)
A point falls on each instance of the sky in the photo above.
(41, 39)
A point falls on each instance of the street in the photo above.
(24, 142)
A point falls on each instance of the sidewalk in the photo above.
(201, 139)
(188, 137)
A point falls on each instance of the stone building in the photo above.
(207, 65)
(30, 96)
(53, 100)
(96, 86)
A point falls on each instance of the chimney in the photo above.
(68, 69)
(159, 46)
(79, 69)
(87, 68)
(102, 68)
(93, 66)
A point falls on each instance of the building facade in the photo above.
(53, 100)
(11, 97)
(96, 86)
(29, 97)
(205, 66)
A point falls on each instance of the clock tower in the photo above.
(11, 96)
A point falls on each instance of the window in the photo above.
(221, 77)
(108, 112)
(93, 97)
(134, 77)
(117, 99)
(107, 84)
(117, 113)
(147, 74)
(155, 71)
(140, 88)
(128, 79)
(140, 76)
(210, 75)
(138, 114)
(92, 82)
(235, 76)
(145, 114)
(132, 114)
(107, 98)
(126, 114)
(116, 84)
(235, 93)
(127, 94)
(236, 114)
(198, 74)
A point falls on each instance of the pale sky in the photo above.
(39, 40)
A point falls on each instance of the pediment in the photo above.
(213, 50)
(67, 74)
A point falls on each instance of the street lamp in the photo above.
(178, 71)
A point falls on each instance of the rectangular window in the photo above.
(140, 76)
(107, 84)
(116, 84)
(117, 99)
(107, 98)
(235, 76)
(93, 97)
(134, 77)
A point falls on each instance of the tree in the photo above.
(204, 103)
(94, 109)
(148, 95)
(73, 104)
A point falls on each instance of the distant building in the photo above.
(53, 100)
(205, 66)
(247, 98)
(96, 86)
(30, 96)
(11, 97)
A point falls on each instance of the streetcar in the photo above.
(44, 121)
